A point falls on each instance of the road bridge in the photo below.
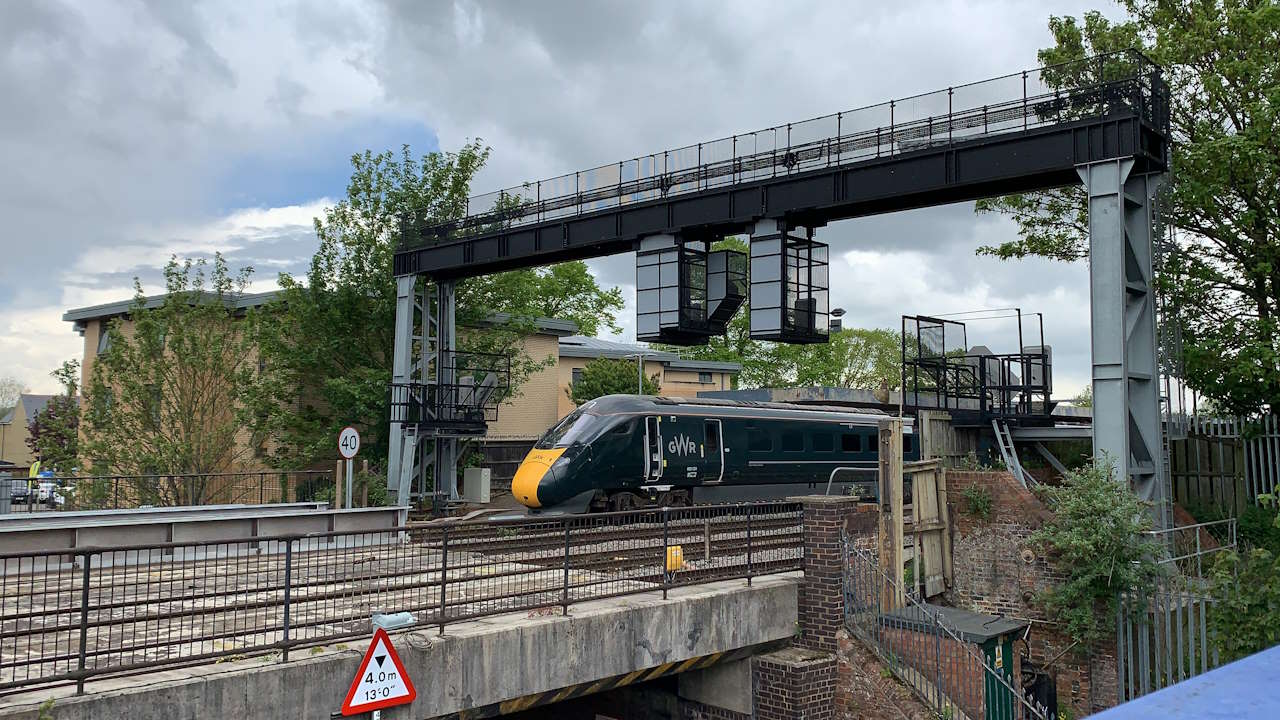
(508, 615)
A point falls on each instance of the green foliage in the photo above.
(977, 502)
(1255, 527)
(608, 376)
(1223, 195)
(1085, 398)
(1245, 617)
(54, 432)
(166, 395)
(868, 359)
(327, 343)
(1094, 538)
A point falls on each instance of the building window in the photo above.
(822, 442)
(705, 378)
(577, 376)
(906, 443)
(104, 337)
(851, 443)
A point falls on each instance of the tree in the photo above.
(166, 395)
(1095, 540)
(1085, 398)
(1223, 195)
(54, 432)
(851, 358)
(327, 343)
(10, 389)
(608, 376)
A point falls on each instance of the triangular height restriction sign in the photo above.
(381, 681)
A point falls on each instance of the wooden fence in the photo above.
(1226, 462)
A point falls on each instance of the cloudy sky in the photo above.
(136, 130)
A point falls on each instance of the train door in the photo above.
(653, 459)
(713, 452)
(682, 449)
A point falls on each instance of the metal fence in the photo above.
(126, 492)
(951, 676)
(1225, 462)
(1162, 638)
(1191, 548)
(1121, 82)
(71, 616)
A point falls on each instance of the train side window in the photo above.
(873, 445)
(851, 443)
(792, 442)
(906, 443)
(822, 442)
(759, 441)
(713, 436)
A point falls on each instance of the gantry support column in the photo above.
(402, 437)
(444, 469)
(1126, 405)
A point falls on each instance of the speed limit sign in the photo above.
(348, 442)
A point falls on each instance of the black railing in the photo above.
(1124, 82)
(73, 615)
(478, 384)
(1012, 385)
(126, 492)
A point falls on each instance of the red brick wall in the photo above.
(998, 571)
(794, 684)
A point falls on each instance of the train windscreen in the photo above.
(574, 427)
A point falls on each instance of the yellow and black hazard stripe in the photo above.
(575, 691)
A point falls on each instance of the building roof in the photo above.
(7, 417)
(582, 346)
(32, 405)
(80, 316)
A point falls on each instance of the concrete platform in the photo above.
(474, 665)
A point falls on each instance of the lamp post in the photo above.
(640, 356)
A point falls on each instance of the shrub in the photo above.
(1094, 539)
(977, 502)
(1245, 618)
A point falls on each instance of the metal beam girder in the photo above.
(1126, 411)
(402, 373)
(964, 170)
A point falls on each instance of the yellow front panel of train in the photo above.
(525, 483)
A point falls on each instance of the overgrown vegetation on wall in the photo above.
(1094, 540)
(1245, 617)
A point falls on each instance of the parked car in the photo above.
(19, 491)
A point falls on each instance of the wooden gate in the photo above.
(927, 535)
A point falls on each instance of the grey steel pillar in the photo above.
(398, 482)
(445, 465)
(1126, 408)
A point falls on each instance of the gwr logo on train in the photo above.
(682, 445)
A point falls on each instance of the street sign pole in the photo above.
(348, 446)
(350, 462)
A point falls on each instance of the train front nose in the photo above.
(535, 471)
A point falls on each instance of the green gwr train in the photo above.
(623, 451)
